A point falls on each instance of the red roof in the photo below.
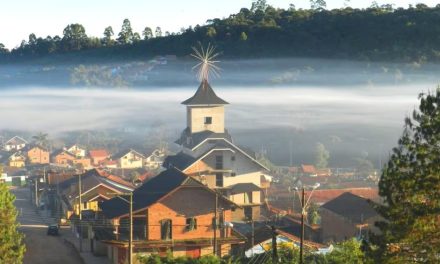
(114, 178)
(310, 169)
(98, 153)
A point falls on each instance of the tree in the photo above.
(364, 167)
(243, 36)
(136, 37)
(41, 139)
(318, 4)
(74, 37)
(126, 34)
(211, 32)
(147, 33)
(108, 34)
(12, 247)
(313, 216)
(410, 187)
(322, 156)
(158, 32)
(3, 49)
(347, 252)
(259, 5)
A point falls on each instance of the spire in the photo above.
(205, 95)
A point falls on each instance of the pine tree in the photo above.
(11, 241)
(410, 186)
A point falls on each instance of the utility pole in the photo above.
(80, 213)
(36, 191)
(130, 216)
(274, 245)
(301, 261)
(130, 240)
(215, 224)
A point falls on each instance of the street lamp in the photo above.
(130, 239)
(304, 205)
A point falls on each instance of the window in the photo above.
(191, 224)
(166, 229)
(232, 158)
(208, 120)
(219, 179)
(233, 174)
(219, 162)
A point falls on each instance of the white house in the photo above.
(77, 151)
(15, 143)
(155, 160)
(129, 159)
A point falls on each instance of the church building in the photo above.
(209, 154)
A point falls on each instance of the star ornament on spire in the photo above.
(206, 66)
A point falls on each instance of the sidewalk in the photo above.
(67, 235)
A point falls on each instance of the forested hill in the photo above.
(375, 33)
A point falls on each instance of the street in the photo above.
(41, 248)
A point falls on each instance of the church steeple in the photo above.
(205, 95)
(205, 110)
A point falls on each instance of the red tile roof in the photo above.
(114, 178)
(310, 169)
(98, 153)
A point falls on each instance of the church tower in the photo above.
(205, 111)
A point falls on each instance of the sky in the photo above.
(19, 18)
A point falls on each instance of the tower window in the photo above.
(208, 120)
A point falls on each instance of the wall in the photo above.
(130, 161)
(185, 203)
(38, 156)
(196, 118)
(335, 228)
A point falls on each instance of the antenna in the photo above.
(206, 65)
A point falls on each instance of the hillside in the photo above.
(377, 33)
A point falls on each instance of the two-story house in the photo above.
(174, 213)
(98, 155)
(18, 159)
(210, 155)
(14, 144)
(129, 159)
(37, 154)
(77, 151)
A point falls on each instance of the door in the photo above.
(193, 252)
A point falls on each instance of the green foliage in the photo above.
(95, 76)
(243, 36)
(155, 259)
(410, 187)
(322, 156)
(11, 241)
(126, 35)
(108, 34)
(74, 37)
(41, 139)
(313, 216)
(318, 4)
(375, 33)
(147, 33)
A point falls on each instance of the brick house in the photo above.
(347, 216)
(62, 157)
(38, 155)
(98, 155)
(171, 212)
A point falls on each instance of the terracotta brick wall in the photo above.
(185, 203)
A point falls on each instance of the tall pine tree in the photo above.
(410, 186)
(11, 241)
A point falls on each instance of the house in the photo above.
(309, 170)
(98, 155)
(174, 213)
(210, 155)
(259, 238)
(18, 159)
(155, 160)
(37, 154)
(14, 176)
(14, 144)
(77, 151)
(129, 159)
(82, 162)
(347, 216)
(62, 157)
(95, 188)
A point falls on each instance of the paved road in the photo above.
(41, 248)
